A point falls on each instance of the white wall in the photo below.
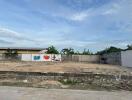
(26, 57)
(126, 58)
(88, 58)
(41, 57)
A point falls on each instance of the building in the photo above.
(126, 58)
(22, 50)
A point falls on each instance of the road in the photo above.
(22, 93)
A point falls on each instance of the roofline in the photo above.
(22, 48)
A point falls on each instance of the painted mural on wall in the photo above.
(36, 57)
(56, 57)
(46, 57)
(42, 57)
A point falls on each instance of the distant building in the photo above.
(22, 50)
(126, 58)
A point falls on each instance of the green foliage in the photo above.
(11, 54)
(68, 82)
(71, 51)
(52, 50)
(129, 47)
(109, 50)
(67, 51)
(87, 52)
(77, 53)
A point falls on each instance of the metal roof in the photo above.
(22, 48)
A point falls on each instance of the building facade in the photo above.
(22, 50)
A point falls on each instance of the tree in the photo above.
(86, 52)
(67, 51)
(77, 53)
(129, 47)
(11, 54)
(52, 50)
(109, 50)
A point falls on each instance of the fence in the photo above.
(32, 57)
(54, 57)
(111, 58)
(81, 58)
(3, 57)
(118, 58)
(41, 57)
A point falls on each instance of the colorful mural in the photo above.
(41, 57)
(46, 57)
(56, 57)
(36, 58)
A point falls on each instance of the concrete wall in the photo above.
(81, 58)
(111, 58)
(1, 56)
(126, 58)
(26, 57)
(89, 58)
(33, 57)
(41, 57)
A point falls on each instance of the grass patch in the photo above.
(68, 82)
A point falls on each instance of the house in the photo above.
(22, 50)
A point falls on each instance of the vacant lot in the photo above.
(69, 67)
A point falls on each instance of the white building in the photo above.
(126, 58)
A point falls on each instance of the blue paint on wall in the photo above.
(36, 57)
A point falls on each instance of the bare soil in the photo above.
(64, 67)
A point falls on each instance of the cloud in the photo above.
(79, 16)
(7, 33)
(113, 8)
(117, 9)
(70, 23)
(109, 11)
(4, 32)
(5, 42)
(93, 45)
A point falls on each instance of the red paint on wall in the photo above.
(46, 57)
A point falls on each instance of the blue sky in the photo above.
(91, 24)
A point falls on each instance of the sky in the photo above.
(90, 24)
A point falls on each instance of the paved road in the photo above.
(18, 93)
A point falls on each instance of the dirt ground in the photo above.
(68, 67)
(21, 93)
